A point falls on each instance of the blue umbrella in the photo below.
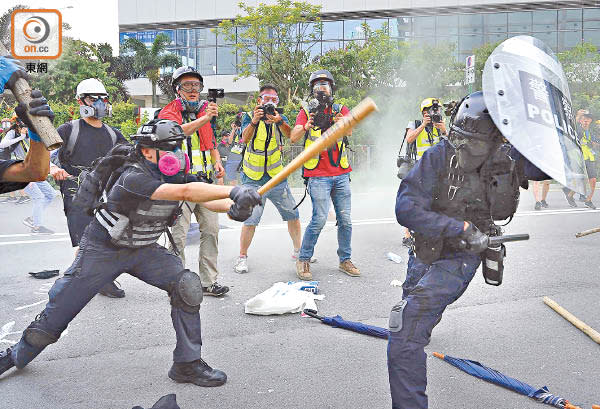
(339, 322)
(480, 371)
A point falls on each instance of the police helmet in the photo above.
(321, 75)
(471, 120)
(180, 72)
(161, 134)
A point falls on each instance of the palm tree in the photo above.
(151, 60)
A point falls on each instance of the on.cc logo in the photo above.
(36, 29)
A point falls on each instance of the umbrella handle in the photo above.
(312, 313)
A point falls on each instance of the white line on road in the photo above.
(27, 235)
(7, 243)
(30, 305)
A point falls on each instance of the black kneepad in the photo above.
(186, 292)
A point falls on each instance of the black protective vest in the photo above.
(482, 196)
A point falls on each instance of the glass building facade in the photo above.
(560, 29)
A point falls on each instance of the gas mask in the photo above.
(471, 153)
(99, 108)
(174, 165)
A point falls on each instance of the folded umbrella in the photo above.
(45, 274)
(339, 322)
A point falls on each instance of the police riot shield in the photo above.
(528, 98)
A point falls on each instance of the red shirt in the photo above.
(173, 112)
(324, 168)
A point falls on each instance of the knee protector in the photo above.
(186, 292)
(38, 337)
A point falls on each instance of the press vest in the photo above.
(263, 152)
(425, 140)
(586, 140)
(142, 226)
(313, 134)
(201, 160)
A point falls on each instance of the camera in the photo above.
(435, 112)
(318, 106)
(214, 93)
(405, 164)
(269, 109)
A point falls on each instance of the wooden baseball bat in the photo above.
(43, 126)
(589, 331)
(586, 232)
(327, 139)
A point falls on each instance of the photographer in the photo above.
(426, 132)
(328, 174)
(16, 174)
(232, 166)
(200, 145)
(263, 135)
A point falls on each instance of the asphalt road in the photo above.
(116, 353)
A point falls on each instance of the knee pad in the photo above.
(38, 337)
(186, 292)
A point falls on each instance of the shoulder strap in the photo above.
(112, 133)
(73, 136)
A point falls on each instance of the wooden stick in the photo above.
(589, 331)
(43, 126)
(586, 232)
(337, 131)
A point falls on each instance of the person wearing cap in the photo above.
(327, 175)
(141, 200)
(85, 140)
(200, 144)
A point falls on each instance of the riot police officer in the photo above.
(138, 207)
(449, 203)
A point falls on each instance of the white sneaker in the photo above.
(241, 265)
(297, 253)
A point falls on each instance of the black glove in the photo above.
(244, 198)
(475, 241)
(38, 106)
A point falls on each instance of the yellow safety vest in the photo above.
(424, 142)
(258, 158)
(201, 161)
(311, 136)
(586, 139)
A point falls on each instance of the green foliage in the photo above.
(481, 55)
(581, 66)
(274, 34)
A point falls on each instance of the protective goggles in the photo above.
(189, 86)
(93, 98)
(476, 147)
(322, 86)
(273, 98)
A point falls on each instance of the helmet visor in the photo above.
(322, 86)
(476, 147)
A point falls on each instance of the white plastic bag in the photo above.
(281, 298)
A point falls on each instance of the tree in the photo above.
(279, 38)
(78, 62)
(121, 67)
(581, 65)
(151, 60)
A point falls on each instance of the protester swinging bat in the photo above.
(43, 126)
(327, 139)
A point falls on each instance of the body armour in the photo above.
(140, 227)
(483, 196)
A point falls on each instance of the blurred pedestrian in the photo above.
(586, 139)
(41, 194)
(540, 197)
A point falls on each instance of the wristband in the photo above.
(33, 136)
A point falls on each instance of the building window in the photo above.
(519, 21)
(401, 27)
(424, 26)
(570, 19)
(495, 22)
(592, 36)
(333, 30)
(446, 25)
(353, 29)
(591, 18)
(549, 38)
(207, 60)
(205, 37)
(226, 61)
(468, 42)
(377, 24)
(471, 24)
(492, 38)
(568, 39)
(447, 41)
(331, 45)
(314, 49)
(544, 20)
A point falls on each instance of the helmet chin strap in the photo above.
(187, 106)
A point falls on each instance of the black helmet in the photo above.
(471, 119)
(160, 134)
(321, 75)
(180, 72)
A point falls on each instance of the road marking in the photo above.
(30, 305)
(27, 235)
(7, 243)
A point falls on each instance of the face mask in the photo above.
(99, 110)
(190, 106)
(472, 153)
(172, 163)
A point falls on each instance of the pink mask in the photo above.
(171, 163)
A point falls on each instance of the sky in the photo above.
(91, 21)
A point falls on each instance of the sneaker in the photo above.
(538, 206)
(40, 230)
(23, 199)
(544, 204)
(241, 265)
(111, 290)
(296, 254)
(197, 372)
(6, 361)
(303, 270)
(28, 221)
(215, 290)
(582, 198)
(571, 201)
(590, 204)
(10, 199)
(347, 267)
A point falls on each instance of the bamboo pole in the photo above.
(337, 131)
(589, 331)
(586, 232)
(43, 126)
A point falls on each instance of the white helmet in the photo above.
(90, 86)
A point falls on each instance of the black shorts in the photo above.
(590, 166)
(77, 220)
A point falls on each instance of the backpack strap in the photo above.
(112, 133)
(73, 136)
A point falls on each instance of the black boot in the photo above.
(197, 372)
(112, 291)
(6, 361)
